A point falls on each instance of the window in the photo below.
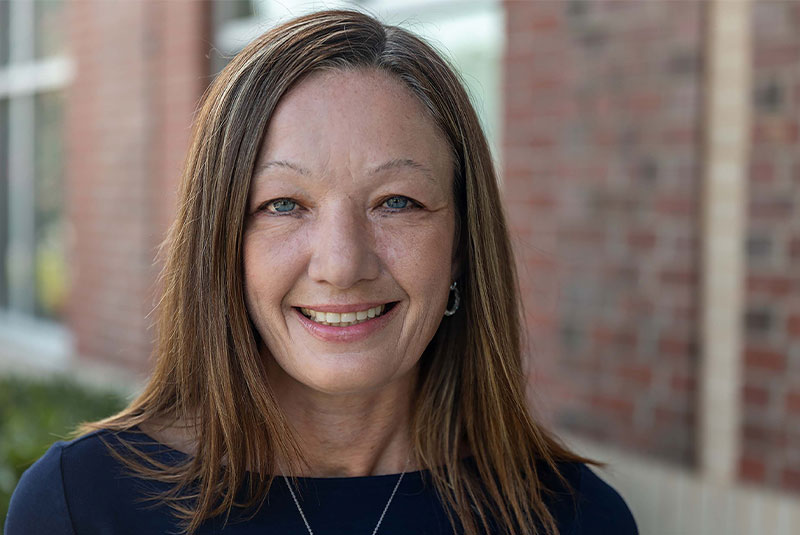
(469, 32)
(33, 272)
(33, 280)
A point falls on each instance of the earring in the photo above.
(456, 300)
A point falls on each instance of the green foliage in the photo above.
(36, 413)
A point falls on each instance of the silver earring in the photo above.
(456, 300)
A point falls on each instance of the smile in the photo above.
(344, 319)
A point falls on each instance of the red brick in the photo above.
(755, 433)
(669, 417)
(646, 102)
(794, 248)
(781, 54)
(685, 135)
(640, 375)
(600, 104)
(676, 205)
(793, 403)
(775, 286)
(542, 201)
(604, 336)
(776, 130)
(762, 171)
(755, 395)
(774, 210)
(790, 479)
(681, 383)
(641, 240)
(547, 81)
(605, 137)
(752, 469)
(615, 405)
(541, 141)
(635, 307)
(793, 326)
(542, 23)
(582, 235)
(765, 359)
(684, 313)
(678, 277)
(675, 346)
(621, 273)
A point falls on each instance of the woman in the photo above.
(338, 344)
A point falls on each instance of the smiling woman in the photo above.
(340, 313)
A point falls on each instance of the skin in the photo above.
(351, 228)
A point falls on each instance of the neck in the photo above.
(353, 434)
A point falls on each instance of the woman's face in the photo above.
(350, 216)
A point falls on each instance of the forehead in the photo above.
(356, 118)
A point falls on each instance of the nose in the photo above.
(343, 248)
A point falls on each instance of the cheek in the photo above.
(271, 267)
(418, 256)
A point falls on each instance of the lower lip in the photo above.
(351, 333)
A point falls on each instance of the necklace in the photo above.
(380, 520)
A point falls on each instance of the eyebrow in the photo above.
(285, 165)
(396, 163)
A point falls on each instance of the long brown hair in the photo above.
(209, 375)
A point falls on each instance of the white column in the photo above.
(727, 146)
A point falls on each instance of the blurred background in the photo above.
(648, 153)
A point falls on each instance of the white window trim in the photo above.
(33, 77)
(33, 343)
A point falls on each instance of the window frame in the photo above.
(25, 337)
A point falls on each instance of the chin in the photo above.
(341, 381)
(338, 378)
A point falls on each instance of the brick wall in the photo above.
(602, 177)
(140, 70)
(771, 389)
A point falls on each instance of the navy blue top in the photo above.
(79, 488)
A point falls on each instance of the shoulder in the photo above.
(81, 483)
(38, 504)
(596, 508)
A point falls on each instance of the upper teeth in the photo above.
(343, 319)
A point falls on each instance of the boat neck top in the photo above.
(79, 488)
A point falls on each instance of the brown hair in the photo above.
(209, 375)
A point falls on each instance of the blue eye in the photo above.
(397, 203)
(281, 206)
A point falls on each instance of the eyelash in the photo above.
(412, 204)
(265, 207)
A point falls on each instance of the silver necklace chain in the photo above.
(380, 520)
